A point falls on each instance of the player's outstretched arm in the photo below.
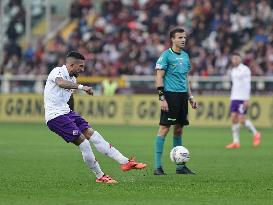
(70, 85)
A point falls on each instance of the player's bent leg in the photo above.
(90, 160)
(105, 148)
(66, 127)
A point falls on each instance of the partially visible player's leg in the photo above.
(159, 147)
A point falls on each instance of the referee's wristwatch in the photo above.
(191, 98)
(162, 98)
(160, 90)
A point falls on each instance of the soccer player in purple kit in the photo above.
(70, 125)
(240, 95)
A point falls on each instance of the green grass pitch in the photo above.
(37, 167)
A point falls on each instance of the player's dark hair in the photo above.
(176, 30)
(76, 55)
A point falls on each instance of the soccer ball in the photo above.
(180, 155)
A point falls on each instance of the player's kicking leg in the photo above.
(107, 149)
(91, 162)
(71, 133)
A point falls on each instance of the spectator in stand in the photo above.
(131, 34)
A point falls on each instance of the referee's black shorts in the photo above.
(178, 109)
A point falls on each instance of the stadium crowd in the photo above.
(127, 36)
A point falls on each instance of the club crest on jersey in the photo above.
(75, 132)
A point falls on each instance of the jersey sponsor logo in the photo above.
(75, 132)
(171, 119)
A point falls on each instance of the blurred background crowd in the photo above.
(127, 36)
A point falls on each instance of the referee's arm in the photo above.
(192, 101)
(160, 88)
(159, 78)
(189, 87)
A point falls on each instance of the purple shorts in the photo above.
(68, 126)
(238, 107)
